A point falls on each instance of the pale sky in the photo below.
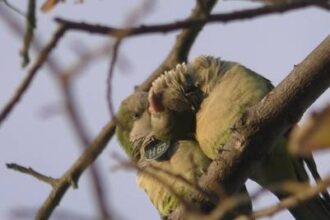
(270, 45)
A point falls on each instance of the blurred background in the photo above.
(38, 134)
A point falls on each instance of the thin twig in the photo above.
(73, 114)
(29, 33)
(132, 18)
(9, 5)
(85, 59)
(110, 75)
(191, 22)
(29, 171)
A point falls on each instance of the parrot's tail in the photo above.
(317, 208)
(313, 169)
(314, 209)
(281, 167)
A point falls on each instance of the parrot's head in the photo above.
(133, 123)
(174, 99)
(168, 111)
(169, 124)
(135, 131)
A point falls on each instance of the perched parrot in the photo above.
(161, 162)
(204, 99)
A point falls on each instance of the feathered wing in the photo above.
(161, 179)
(225, 91)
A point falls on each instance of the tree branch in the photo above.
(254, 133)
(190, 22)
(29, 32)
(29, 171)
(22, 88)
(113, 61)
(79, 128)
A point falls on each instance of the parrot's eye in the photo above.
(135, 115)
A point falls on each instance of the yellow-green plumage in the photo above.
(228, 89)
(238, 89)
(131, 110)
(186, 157)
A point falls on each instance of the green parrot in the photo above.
(215, 94)
(161, 162)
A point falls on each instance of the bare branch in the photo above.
(9, 5)
(70, 178)
(29, 33)
(84, 139)
(190, 22)
(85, 58)
(29, 171)
(110, 75)
(133, 17)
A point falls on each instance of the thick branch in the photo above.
(259, 128)
(269, 119)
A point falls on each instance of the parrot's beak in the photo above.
(139, 143)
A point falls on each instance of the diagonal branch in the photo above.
(79, 128)
(42, 57)
(259, 128)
